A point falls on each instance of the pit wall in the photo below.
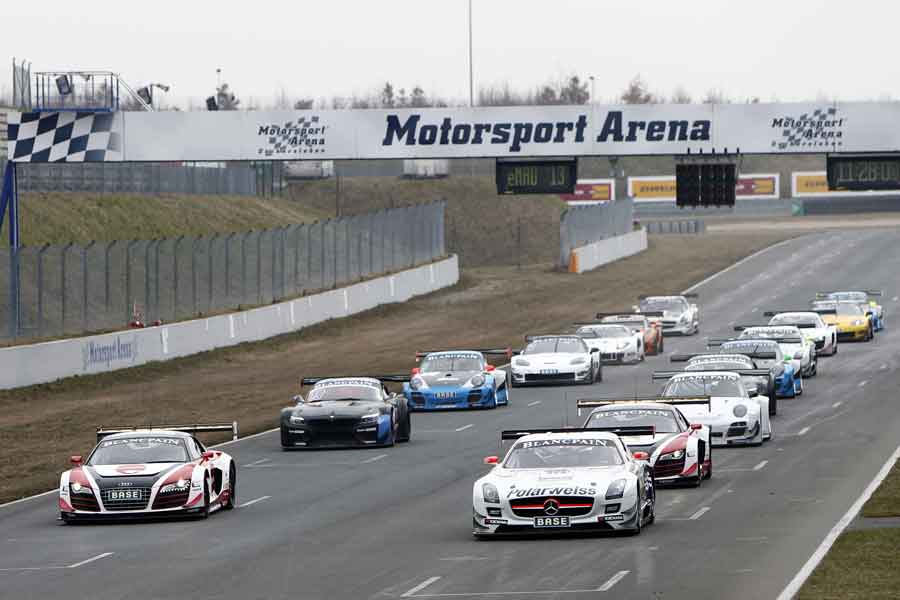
(591, 256)
(22, 366)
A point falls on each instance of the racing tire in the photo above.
(707, 472)
(662, 345)
(772, 393)
(800, 381)
(638, 517)
(232, 489)
(698, 480)
(599, 377)
(204, 514)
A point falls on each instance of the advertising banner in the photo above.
(662, 187)
(815, 183)
(591, 191)
(480, 132)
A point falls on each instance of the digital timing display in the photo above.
(537, 177)
(864, 172)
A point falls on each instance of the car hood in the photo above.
(721, 407)
(648, 443)
(551, 359)
(135, 470)
(339, 408)
(451, 379)
(523, 483)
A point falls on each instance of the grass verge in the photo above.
(862, 565)
(885, 502)
(42, 425)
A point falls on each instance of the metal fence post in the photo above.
(62, 286)
(106, 252)
(128, 311)
(175, 252)
(322, 257)
(210, 242)
(40, 289)
(147, 246)
(194, 244)
(244, 267)
(282, 235)
(259, 235)
(228, 265)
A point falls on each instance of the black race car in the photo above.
(346, 412)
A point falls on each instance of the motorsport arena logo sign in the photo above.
(823, 127)
(413, 131)
(297, 138)
(116, 351)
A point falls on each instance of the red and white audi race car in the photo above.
(149, 472)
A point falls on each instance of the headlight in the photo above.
(621, 345)
(521, 362)
(616, 489)
(77, 488)
(179, 486)
(579, 361)
(297, 419)
(489, 493)
(685, 318)
(676, 455)
(477, 381)
(857, 322)
(740, 410)
(417, 383)
(371, 416)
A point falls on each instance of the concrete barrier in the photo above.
(587, 258)
(49, 361)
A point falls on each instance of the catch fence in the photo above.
(583, 225)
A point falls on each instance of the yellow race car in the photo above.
(852, 321)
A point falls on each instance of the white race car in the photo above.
(565, 480)
(794, 344)
(734, 415)
(679, 315)
(556, 359)
(615, 343)
(823, 335)
(141, 473)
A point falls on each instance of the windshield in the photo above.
(751, 347)
(344, 392)
(613, 331)
(660, 418)
(804, 321)
(717, 365)
(542, 345)
(662, 304)
(563, 453)
(710, 385)
(139, 450)
(449, 364)
(846, 309)
(853, 296)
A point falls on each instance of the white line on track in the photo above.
(535, 403)
(254, 501)
(90, 560)
(752, 539)
(464, 427)
(760, 465)
(699, 513)
(836, 404)
(373, 459)
(803, 431)
(734, 266)
(894, 299)
(256, 462)
(800, 578)
(612, 581)
(421, 586)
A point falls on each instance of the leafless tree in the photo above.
(637, 92)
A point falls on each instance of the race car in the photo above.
(812, 325)
(794, 344)
(145, 472)
(649, 324)
(341, 412)
(447, 379)
(739, 363)
(556, 359)
(861, 297)
(734, 415)
(852, 320)
(615, 343)
(680, 451)
(678, 314)
(565, 480)
(766, 354)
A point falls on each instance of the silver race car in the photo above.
(812, 324)
(556, 359)
(616, 343)
(679, 314)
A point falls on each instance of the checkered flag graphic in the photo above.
(64, 137)
(292, 135)
(797, 135)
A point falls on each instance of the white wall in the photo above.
(587, 258)
(41, 363)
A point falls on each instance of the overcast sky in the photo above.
(785, 49)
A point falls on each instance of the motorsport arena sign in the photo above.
(517, 132)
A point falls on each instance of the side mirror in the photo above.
(490, 368)
(594, 350)
(491, 460)
(696, 426)
(752, 393)
(641, 456)
(75, 459)
(416, 370)
(208, 455)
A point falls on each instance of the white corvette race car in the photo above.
(556, 359)
(823, 335)
(734, 415)
(615, 343)
(565, 480)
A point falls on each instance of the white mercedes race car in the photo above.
(679, 315)
(142, 473)
(811, 323)
(556, 359)
(799, 347)
(734, 415)
(615, 343)
(565, 480)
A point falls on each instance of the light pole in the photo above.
(471, 80)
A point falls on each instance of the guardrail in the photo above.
(683, 226)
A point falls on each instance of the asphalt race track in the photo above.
(396, 523)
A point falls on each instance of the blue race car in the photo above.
(767, 354)
(455, 379)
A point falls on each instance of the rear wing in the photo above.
(866, 292)
(507, 352)
(514, 434)
(659, 375)
(103, 432)
(713, 342)
(629, 313)
(531, 338)
(381, 378)
(597, 402)
(752, 355)
(690, 295)
(821, 311)
(633, 321)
